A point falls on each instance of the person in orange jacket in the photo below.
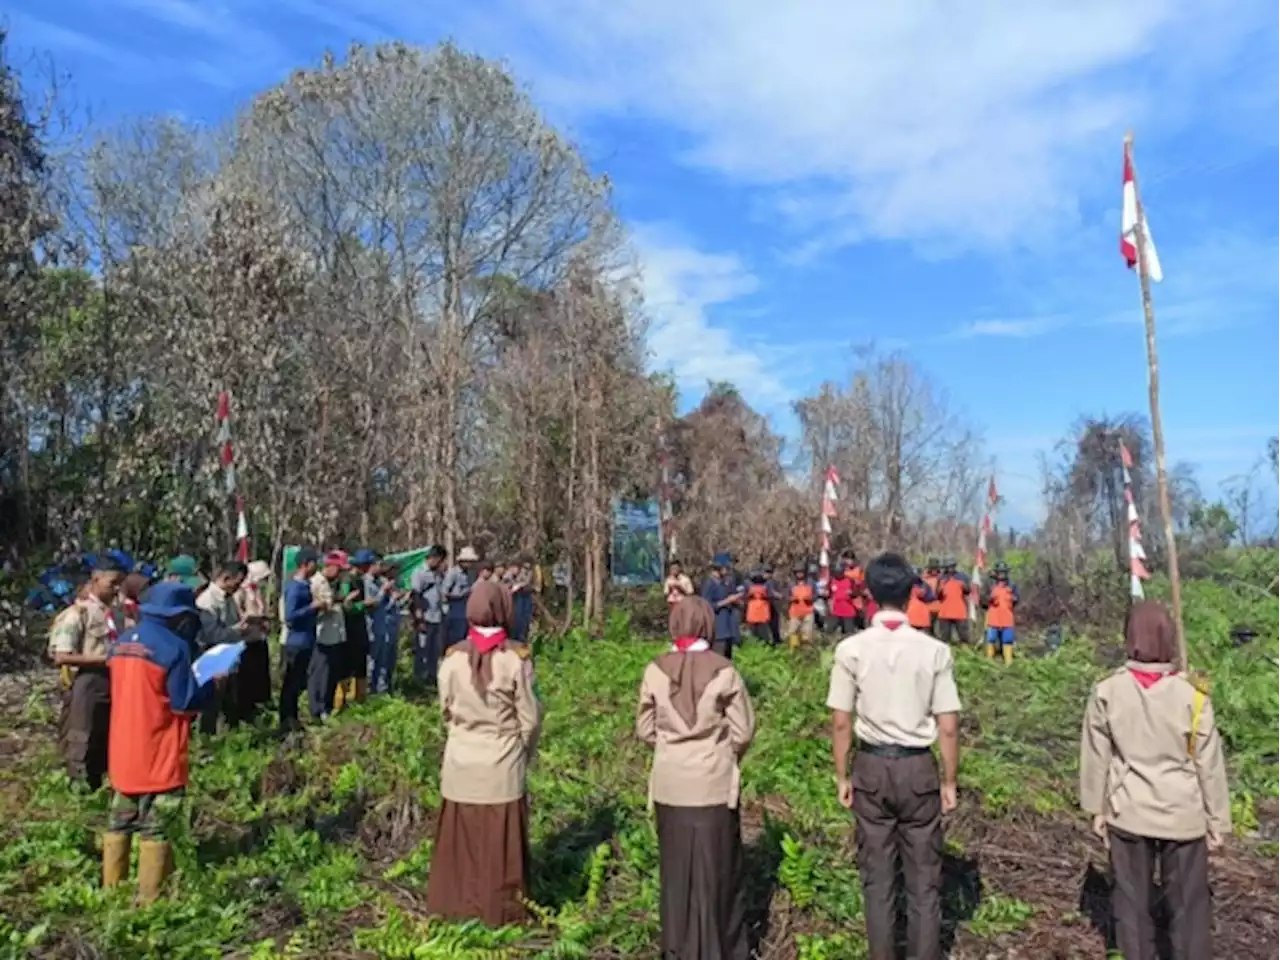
(760, 608)
(800, 620)
(932, 573)
(953, 609)
(919, 612)
(998, 599)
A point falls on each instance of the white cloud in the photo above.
(682, 284)
(950, 125)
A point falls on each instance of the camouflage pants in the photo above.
(150, 815)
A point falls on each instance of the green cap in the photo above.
(184, 568)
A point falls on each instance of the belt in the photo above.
(892, 751)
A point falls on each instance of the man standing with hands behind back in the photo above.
(893, 686)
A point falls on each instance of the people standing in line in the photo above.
(677, 586)
(800, 616)
(480, 864)
(221, 622)
(458, 582)
(427, 586)
(522, 589)
(919, 612)
(696, 714)
(932, 573)
(953, 605)
(999, 599)
(759, 609)
(843, 609)
(386, 602)
(253, 674)
(154, 694)
(893, 688)
(353, 682)
(726, 595)
(301, 615)
(329, 658)
(1153, 776)
(78, 642)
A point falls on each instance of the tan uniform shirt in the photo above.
(696, 766)
(895, 682)
(491, 740)
(1136, 768)
(331, 628)
(84, 628)
(214, 600)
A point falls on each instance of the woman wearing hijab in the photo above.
(696, 714)
(480, 866)
(1153, 776)
(254, 672)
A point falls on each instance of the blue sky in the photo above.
(935, 177)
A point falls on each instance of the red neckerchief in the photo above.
(892, 625)
(113, 633)
(485, 642)
(1146, 678)
(684, 643)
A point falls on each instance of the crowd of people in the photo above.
(1152, 770)
(774, 609)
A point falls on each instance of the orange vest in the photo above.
(758, 609)
(918, 614)
(1000, 607)
(801, 601)
(859, 579)
(932, 581)
(954, 597)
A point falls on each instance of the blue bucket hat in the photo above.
(364, 558)
(168, 598)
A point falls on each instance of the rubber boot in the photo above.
(115, 858)
(1007, 649)
(155, 863)
(991, 651)
(339, 695)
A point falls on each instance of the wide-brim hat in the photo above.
(168, 599)
(468, 555)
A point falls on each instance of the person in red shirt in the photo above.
(843, 609)
(857, 577)
(154, 696)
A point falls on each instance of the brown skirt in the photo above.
(479, 868)
(702, 901)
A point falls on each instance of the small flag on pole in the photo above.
(226, 455)
(829, 499)
(1129, 226)
(980, 557)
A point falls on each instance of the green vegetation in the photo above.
(322, 848)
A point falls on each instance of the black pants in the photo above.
(1184, 879)
(85, 722)
(225, 704)
(775, 627)
(323, 674)
(762, 632)
(427, 648)
(845, 626)
(297, 661)
(898, 813)
(723, 647)
(954, 631)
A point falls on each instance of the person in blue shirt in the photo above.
(726, 593)
(299, 636)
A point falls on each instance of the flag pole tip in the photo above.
(1128, 137)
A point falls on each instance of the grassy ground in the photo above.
(322, 847)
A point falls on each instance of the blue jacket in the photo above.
(299, 618)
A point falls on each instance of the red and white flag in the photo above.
(226, 454)
(980, 557)
(829, 498)
(1129, 226)
(1137, 556)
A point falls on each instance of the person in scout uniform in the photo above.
(999, 598)
(696, 714)
(78, 641)
(1153, 776)
(953, 604)
(154, 693)
(480, 864)
(893, 688)
(329, 658)
(800, 622)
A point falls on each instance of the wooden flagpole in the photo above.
(1157, 426)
